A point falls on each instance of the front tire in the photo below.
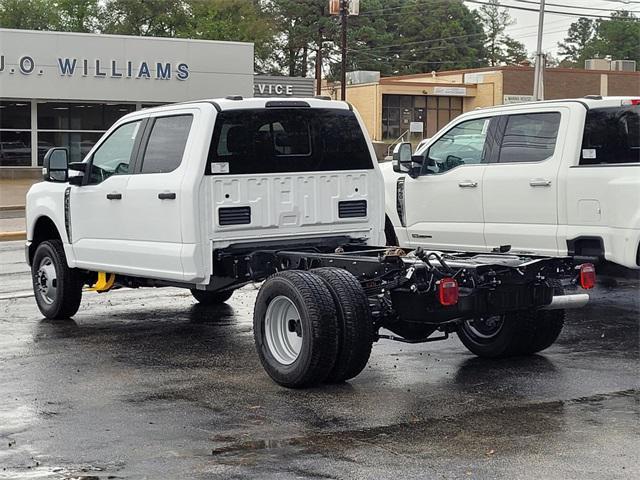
(295, 329)
(57, 288)
(211, 298)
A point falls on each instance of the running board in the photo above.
(577, 300)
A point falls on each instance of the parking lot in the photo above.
(148, 384)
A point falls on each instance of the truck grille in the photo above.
(352, 209)
(234, 216)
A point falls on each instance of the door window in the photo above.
(166, 144)
(464, 144)
(113, 157)
(529, 137)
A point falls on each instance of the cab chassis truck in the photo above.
(216, 194)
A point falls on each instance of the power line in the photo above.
(554, 12)
(569, 6)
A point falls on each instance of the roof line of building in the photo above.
(511, 68)
(128, 37)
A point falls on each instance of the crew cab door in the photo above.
(96, 208)
(520, 188)
(443, 206)
(152, 217)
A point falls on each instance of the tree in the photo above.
(577, 47)
(157, 18)
(414, 36)
(619, 37)
(501, 48)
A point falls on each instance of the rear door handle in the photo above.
(114, 196)
(167, 196)
(468, 184)
(539, 182)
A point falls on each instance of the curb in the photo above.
(8, 236)
(4, 208)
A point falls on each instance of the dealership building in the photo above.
(66, 89)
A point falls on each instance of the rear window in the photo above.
(281, 140)
(611, 135)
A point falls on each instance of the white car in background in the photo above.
(559, 178)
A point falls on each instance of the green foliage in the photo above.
(618, 38)
(501, 48)
(392, 36)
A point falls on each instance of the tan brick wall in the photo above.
(571, 84)
(624, 85)
(364, 98)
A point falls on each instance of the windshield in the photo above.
(279, 140)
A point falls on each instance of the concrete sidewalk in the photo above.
(12, 201)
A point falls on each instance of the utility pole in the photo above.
(344, 8)
(344, 14)
(319, 63)
(538, 72)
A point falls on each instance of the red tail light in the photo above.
(634, 101)
(448, 291)
(587, 276)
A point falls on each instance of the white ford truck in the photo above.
(215, 194)
(560, 177)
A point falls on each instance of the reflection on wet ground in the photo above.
(148, 384)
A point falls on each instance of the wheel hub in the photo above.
(484, 327)
(46, 281)
(283, 330)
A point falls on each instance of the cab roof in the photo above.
(590, 101)
(236, 102)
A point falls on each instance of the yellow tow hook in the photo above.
(104, 283)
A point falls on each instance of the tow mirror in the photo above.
(402, 157)
(55, 167)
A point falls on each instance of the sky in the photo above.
(525, 27)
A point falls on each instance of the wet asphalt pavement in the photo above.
(148, 384)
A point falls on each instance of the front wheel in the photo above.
(295, 329)
(57, 288)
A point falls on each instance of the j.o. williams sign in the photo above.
(97, 67)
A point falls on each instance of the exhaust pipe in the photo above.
(558, 302)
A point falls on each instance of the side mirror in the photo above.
(402, 157)
(55, 167)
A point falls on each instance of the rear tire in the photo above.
(57, 288)
(355, 332)
(295, 329)
(211, 298)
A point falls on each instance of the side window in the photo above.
(611, 135)
(113, 157)
(166, 144)
(464, 144)
(529, 137)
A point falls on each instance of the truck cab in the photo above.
(554, 178)
(166, 187)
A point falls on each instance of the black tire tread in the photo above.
(317, 305)
(211, 298)
(70, 283)
(355, 335)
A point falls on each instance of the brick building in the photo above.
(389, 105)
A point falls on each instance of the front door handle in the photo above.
(539, 182)
(468, 184)
(167, 196)
(114, 196)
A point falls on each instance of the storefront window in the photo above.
(15, 148)
(77, 126)
(398, 111)
(15, 134)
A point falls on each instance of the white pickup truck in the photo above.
(215, 194)
(559, 177)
